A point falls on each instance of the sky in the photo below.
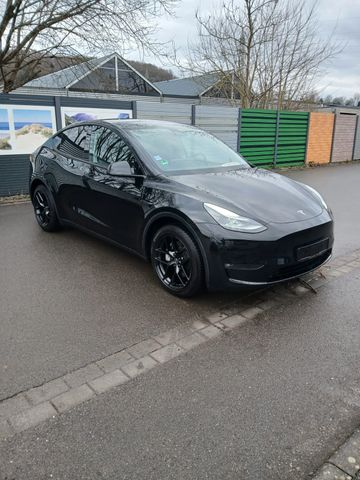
(3, 115)
(339, 19)
(40, 116)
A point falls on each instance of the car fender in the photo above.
(188, 225)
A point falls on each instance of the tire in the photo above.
(176, 261)
(44, 209)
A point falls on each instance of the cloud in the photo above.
(339, 20)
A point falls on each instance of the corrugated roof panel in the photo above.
(187, 87)
(62, 78)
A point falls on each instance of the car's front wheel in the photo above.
(44, 209)
(176, 261)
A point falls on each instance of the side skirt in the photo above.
(68, 223)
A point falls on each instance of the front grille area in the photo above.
(290, 256)
(299, 268)
(314, 249)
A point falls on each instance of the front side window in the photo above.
(107, 147)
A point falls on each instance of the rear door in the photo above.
(71, 163)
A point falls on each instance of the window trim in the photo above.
(146, 171)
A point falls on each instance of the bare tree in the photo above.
(31, 30)
(356, 99)
(152, 72)
(328, 99)
(339, 101)
(266, 53)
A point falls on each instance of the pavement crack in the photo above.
(337, 466)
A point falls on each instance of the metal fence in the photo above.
(292, 138)
(180, 113)
(272, 137)
(257, 136)
(263, 137)
(14, 175)
(220, 121)
(14, 167)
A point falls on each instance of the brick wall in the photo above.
(344, 135)
(320, 137)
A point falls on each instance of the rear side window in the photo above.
(74, 142)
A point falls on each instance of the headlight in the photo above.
(233, 221)
(317, 195)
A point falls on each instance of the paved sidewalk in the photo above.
(38, 404)
(271, 399)
(344, 464)
(266, 390)
(81, 299)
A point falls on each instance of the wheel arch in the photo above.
(34, 184)
(168, 217)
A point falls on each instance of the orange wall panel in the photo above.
(320, 137)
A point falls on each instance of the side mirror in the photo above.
(122, 169)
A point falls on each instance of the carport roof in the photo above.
(64, 78)
(67, 77)
(188, 87)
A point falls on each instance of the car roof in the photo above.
(126, 125)
(133, 122)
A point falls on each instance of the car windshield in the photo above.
(181, 148)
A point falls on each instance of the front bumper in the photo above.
(235, 259)
(293, 272)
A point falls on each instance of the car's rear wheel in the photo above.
(44, 209)
(176, 261)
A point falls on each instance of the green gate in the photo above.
(273, 138)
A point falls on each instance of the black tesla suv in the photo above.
(182, 199)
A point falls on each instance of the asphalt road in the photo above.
(339, 184)
(67, 299)
(269, 401)
(246, 406)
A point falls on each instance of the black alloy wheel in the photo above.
(44, 209)
(176, 261)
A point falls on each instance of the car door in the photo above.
(115, 203)
(67, 170)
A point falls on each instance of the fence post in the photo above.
(193, 114)
(276, 137)
(134, 108)
(333, 137)
(355, 137)
(58, 119)
(307, 137)
(239, 130)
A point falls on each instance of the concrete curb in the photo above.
(29, 408)
(344, 464)
(14, 200)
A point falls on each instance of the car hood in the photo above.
(262, 195)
